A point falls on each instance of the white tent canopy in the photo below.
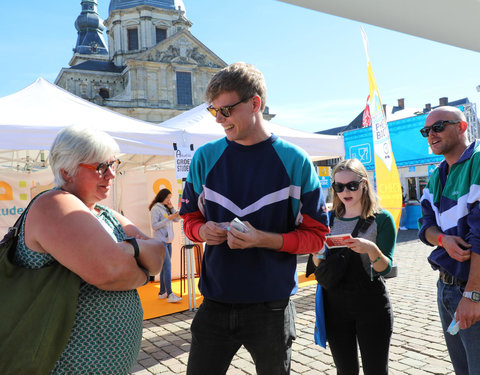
(31, 118)
(199, 127)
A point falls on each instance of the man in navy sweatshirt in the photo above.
(248, 276)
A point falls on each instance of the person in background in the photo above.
(105, 249)
(403, 217)
(247, 277)
(358, 310)
(163, 214)
(451, 222)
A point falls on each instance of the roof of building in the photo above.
(100, 66)
(393, 113)
(165, 4)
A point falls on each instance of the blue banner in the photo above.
(324, 181)
(408, 145)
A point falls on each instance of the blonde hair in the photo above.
(241, 78)
(369, 200)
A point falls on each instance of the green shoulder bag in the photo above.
(37, 311)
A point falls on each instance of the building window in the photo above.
(104, 93)
(184, 88)
(132, 39)
(161, 34)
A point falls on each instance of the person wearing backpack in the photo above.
(358, 309)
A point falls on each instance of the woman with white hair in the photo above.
(106, 250)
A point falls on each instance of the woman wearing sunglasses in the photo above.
(358, 309)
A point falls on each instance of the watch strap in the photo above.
(147, 274)
(134, 243)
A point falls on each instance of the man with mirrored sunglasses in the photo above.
(247, 278)
(451, 222)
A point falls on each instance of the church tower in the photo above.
(137, 25)
(90, 42)
(154, 68)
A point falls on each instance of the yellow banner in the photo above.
(388, 185)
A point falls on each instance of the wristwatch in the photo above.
(133, 242)
(473, 296)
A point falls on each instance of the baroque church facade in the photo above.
(153, 68)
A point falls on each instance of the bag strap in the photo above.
(363, 225)
(331, 218)
(15, 229)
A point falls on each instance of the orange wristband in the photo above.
(439, 239)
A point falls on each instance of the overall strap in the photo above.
(331, 218)
(363, 225)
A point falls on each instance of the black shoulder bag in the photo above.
(331, 271)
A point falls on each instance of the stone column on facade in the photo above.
(116, 51)
(143, 34)
(141, 83)
(152, 84)
(146, 30)
(194, 75)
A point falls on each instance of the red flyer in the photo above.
(338, 240)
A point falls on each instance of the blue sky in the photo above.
(314, 63)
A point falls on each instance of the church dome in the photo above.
(165, 4)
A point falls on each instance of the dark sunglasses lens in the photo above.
(425, 132)
(338, 187)
(225, 111)
(437, 128)
(353, 186)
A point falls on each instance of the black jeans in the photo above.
(219, 330)
(359, 313)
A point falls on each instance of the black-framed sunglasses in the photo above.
(437, 127)
(102, 168)
(352, 186)
(225, 110)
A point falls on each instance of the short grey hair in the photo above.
(74, 145)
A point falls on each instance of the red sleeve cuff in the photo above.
(290, 242)
(307, 238)
(191, 225)
(196, 232)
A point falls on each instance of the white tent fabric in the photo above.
(199, 127)
(31, 118)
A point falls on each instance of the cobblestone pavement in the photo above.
(417, 347)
